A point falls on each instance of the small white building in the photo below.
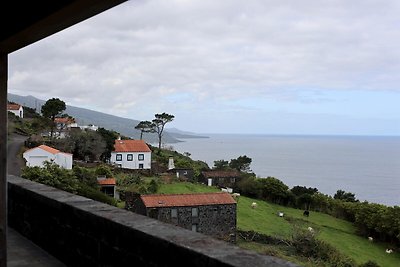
(18, 110)
(131, 154)
(38, 155)
(89, 127)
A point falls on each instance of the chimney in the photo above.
(171, 164)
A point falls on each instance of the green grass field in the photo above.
(264, 219)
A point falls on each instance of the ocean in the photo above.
(368, 166)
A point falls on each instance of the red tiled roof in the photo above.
(49, 149)
(131, 146)
(220, 174)
(13, 106)
(181, 200)
(107, 181)
(64, 120)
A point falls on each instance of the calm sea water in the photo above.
(366, 166)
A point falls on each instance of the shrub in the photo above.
(52, 175)
(307, 245)
(370, 264)
(92, 193)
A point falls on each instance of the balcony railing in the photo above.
(82, 232)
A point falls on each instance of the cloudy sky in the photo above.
(273, 67)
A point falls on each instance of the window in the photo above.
(194, 227)
(129, 157)
(118, 157)
(141, 157)
(195, 212)
(174, 213)
(141, 166)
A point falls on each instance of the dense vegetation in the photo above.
(81, 181)
(371, 220)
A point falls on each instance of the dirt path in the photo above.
(15, 161)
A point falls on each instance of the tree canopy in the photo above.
(242, 163)
(52, 108)
(145, 127)
(159, 124)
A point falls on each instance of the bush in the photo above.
(86, 176)
(307, 245)
(52, 175)
(370, 264)
(92, 193)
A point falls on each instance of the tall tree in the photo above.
(345, 196)
(52, 108)
(145, 127)
(159, 124)
(221, 164)
(241, 164)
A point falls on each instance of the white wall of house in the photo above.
(140, 160)
(18, 113)
(37, 157)
(64, 160)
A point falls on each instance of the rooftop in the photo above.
(131, 146)
(13, 106)
(222, 174)
(181, 200)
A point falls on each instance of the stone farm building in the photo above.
(212, 214)
(220, 178)
(131, 154)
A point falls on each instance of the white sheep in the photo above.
(253, 205)
(389, 251)
(370, 239)
(310, 229)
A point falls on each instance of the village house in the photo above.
(220, 178)
(182, 174)
(63, 126)
(131, 154)
(17, 109)
(107, 185)
(38, 155)
(212, 214)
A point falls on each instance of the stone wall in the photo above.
(83, 232)
(218, 221)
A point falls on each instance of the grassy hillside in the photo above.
(264, 219)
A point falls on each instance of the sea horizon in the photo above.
(367, 165)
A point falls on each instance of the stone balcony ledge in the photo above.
(83, 232)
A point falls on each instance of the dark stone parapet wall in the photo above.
(83, 232)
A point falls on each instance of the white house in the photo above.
(38, 155)
(18, 110)
(131, 154)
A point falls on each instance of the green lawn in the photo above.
(264, 219)
(339, 233)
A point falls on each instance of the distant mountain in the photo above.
(84, 116)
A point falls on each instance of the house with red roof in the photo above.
(131, 154)
(38, 155)
(107, 185)
(17, 109)
(212, 214)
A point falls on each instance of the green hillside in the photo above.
(264, 219)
